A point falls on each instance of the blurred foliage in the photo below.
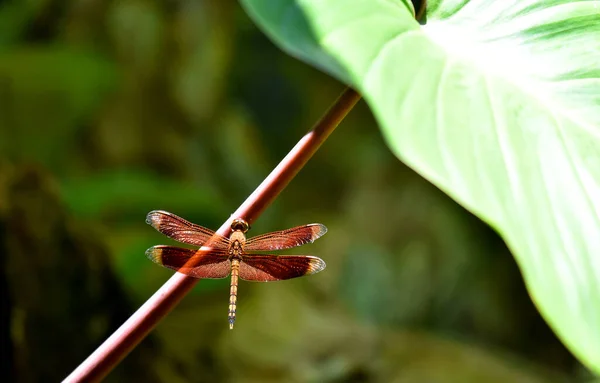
(111, 109)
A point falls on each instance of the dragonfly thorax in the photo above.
(236, 244)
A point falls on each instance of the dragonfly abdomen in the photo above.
(235, 272)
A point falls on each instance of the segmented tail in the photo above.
(235, 271)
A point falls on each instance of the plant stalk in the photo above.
(135, 329)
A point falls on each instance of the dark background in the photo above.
(110, 109)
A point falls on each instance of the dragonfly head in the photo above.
(239, 224)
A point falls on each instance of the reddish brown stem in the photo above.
(122, 341)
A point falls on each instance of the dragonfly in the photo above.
(236, 255)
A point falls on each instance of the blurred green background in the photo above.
(110, 109)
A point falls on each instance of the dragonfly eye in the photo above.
(239, 224)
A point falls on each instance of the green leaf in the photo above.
(495, 102)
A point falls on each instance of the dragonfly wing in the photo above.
(184, 231)
(269, 267)
(194, 263)
(286, 239)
